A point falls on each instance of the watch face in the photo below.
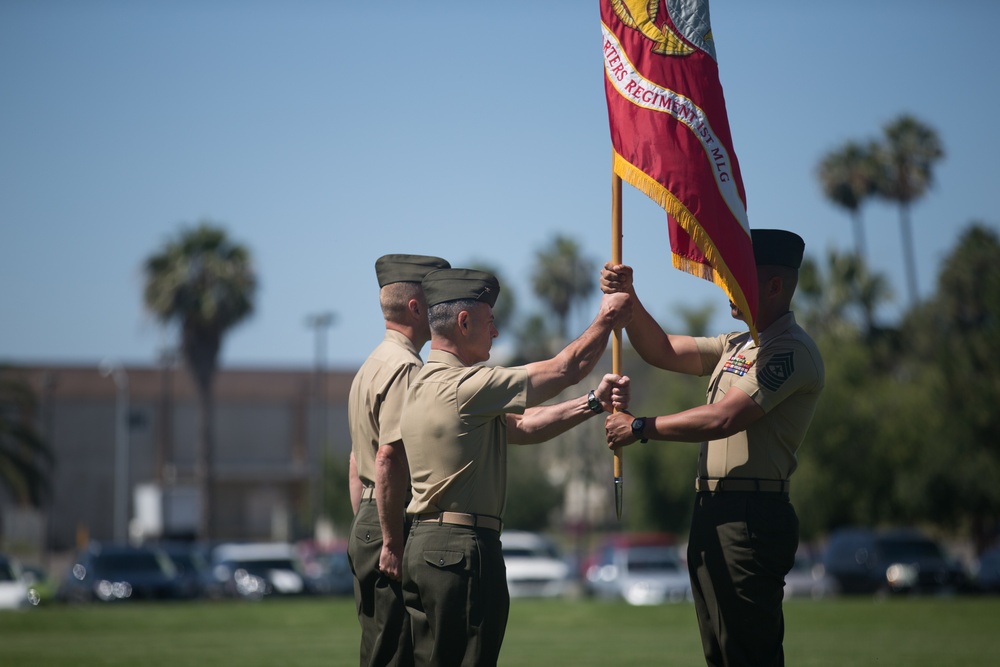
(638, 424)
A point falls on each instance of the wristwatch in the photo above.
(593, 403)
(638, 426)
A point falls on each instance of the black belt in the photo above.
(741, 484)
(461, 519)
(368, 493)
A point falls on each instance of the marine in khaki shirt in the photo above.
(458, 420)
(783, 375)
(761, 399)
(379, 474)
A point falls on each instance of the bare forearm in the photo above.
(547, 378)
(546, 422)
(694, 425)
(354, 485)
(570, 366)
(392, 479)
(581, 356)
(735, 413)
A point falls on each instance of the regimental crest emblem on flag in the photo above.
(667, 40)
(737, 364)
(777, 369)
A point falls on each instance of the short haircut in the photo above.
(442, 317)
(789, 276)
(394, 297)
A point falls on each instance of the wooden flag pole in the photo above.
(616, 343)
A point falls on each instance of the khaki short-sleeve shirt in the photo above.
(784, 375)
(375, 402)
(455, 428)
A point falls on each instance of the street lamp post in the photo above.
(117, 373)
(320, 323)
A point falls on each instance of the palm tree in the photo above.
(204, 282)
(906, 161)
(562, 278)
(25, 459)
(846, 287)
(848, 178)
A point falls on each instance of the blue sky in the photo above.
(325, 134)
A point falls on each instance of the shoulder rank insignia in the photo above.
(777, 369)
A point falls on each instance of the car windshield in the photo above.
(262, 566)
(904, 550)
(526, 552)
(127, 563)
(652, 559)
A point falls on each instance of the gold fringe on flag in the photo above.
(718, 272)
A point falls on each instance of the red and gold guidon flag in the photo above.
(671, 139)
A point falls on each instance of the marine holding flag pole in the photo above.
(671, 140)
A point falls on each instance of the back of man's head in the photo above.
(399, 279)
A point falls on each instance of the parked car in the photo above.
(328, 570)
(988, 571)
(808, 577)
(41, 587)
(190, 559)
(642, 569)
(255, 570)
(115, 572)
(15, 592)
(893, 561)
(534, 565)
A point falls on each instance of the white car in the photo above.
(14, 590)
(255, 570)
(534, 567)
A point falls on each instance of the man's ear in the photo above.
(413, 305)
(463, 320)
(775, 285)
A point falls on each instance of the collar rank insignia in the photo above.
(737, 364)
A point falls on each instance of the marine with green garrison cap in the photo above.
(379, 479)
(459, 418)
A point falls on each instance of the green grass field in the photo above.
(324, 632)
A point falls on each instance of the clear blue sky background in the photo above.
(324, 134)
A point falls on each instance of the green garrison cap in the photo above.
(777, 247)
(406, 268)
(454, 284)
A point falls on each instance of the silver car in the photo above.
(639, 574)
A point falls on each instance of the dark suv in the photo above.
(116, 572)
(890, 561)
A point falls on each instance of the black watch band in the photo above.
(638, 426)
(593, 403)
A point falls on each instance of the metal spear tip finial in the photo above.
(619, 486)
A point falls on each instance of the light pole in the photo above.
(320, 323)
(117, 373)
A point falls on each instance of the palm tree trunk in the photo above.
(859, 235)
(201, 349)
(908, 256)
(206, 463)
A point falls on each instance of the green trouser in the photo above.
(385, 626)
(455, 589)
(742, 545)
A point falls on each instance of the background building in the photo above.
(272, 427)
